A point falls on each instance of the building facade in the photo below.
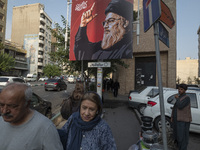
(142, 70)
(19, 54)
(187, 70)
(3, 13)
(31, 27)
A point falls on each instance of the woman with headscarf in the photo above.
(85, 129)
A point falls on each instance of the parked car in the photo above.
(193, 88)
(153, 109)
(43, 79)
(71, 79)
(138, 99)
(78, 79)
(30, 78)
(55, 84)
(39, 104)
(4, 80)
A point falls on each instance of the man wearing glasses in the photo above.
(117, 38)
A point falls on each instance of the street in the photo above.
(54, 97)
(123, 121)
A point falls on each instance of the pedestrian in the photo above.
(71, 104)
(116, 86)
(181, 118)
(21, 127)
(86, 129)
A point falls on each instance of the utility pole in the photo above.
(66, 34)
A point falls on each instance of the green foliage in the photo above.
(196, 80)
(51, 70)
(1, 46)
(6, 62)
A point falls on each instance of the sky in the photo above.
(187, 22)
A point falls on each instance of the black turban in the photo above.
(122, 8)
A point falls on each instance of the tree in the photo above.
(6, 62)
(189, 80)
(51, 70)
(196, 80)
(1, 46)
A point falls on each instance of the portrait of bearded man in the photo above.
(117, 41)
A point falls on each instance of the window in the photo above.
(18, 80)
(153, 93)
(193, 99)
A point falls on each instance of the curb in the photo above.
(37, 85)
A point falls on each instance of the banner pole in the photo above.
(162, 109)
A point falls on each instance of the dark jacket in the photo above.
(183, 107)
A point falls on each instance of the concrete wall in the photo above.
(187, 68)
(25, 20)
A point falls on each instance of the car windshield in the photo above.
(3, 79)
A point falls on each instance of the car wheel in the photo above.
(58, 89)
(141, 108)
(48, 113)
(46, 90)
(158, 124)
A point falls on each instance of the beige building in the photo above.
(187, 70)
(142, 69)
(31, 28)
(3, 13)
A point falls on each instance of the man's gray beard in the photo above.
(112, 38)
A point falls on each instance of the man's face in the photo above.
(181, 90)
(114, 30)
(13, 106)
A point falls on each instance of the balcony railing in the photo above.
(42, 20)
(40, 56)
(40, 64)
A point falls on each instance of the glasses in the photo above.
(110, 21)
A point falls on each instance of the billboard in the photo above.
(101, 29)
(31, 45)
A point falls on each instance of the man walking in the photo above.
(116, 86)
(21, 127)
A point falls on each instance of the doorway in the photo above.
(145, 72)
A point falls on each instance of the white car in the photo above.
(138, 99)
(4, 80)
(43, 79)
(71, 79)
(153, 109)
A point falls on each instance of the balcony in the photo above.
(40, 49)
(41, 34)
(40, 56)
(40, 70)
(40, 63)
(42, 27)
(41, 41)
(42, 20)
